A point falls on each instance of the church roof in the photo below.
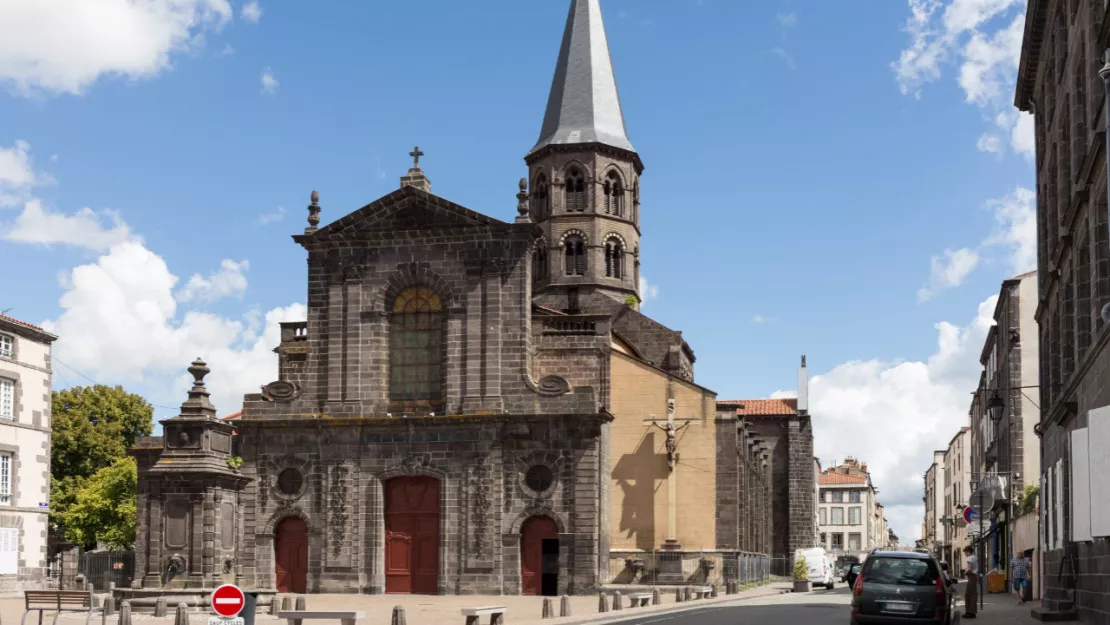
(584, 105)
(762, 407)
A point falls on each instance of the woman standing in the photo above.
(971, 593)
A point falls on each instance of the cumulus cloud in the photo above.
(269, 83)
(17, 174)
(983, 39)
(989, 143)
(227, 281)
(60, 46)
(93, 230)
(251, 12)
(1014, 234)
(120, 324)
(906, 409)
(647, 290)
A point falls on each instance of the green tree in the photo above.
(103, 507)
(93, 427)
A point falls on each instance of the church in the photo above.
(474, 405)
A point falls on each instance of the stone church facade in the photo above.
(472, 405)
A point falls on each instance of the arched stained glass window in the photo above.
(416, 352)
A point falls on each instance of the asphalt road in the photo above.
(820, 607)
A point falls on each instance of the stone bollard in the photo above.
(602, 605)
(564, 606)
(109, 606)
(125, 613)
(286, 604)
(398, 616)
(160, 607)
(181, 616)
(688, 595)
(656, 598)
(301, 607)
(547, 611)
(678, 595)
(617, 603)
(275, 605)
(713, 591)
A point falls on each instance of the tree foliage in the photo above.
(103, 507)
(93, 427)
(801, 569)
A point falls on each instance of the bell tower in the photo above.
(584, 178)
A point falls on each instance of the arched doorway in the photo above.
(539, 556)
(412, 535)
(291, 555)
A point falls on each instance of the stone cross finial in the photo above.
(416, 154)
(313, 212)
(522, 198)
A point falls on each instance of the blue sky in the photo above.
(834, 179)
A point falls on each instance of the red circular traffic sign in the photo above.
(969, 514)
(228, 600)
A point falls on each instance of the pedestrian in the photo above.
(1020, 573)
(971, 593)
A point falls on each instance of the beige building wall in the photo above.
(25, 445)
(1030, 377)
(638, 459)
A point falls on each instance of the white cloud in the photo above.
(227, 281)
(18, 175)
(1022, 137)
(893, 414)
(760, 319)
(251, 12)
(989, 143)
(123, 306)
(787, 20)
(269, 218)
(647, 290)
(97, 231)
(949, 270)
(990, 63)
(61, 46)
(269, 83)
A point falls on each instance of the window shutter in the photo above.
(7, 399)
(6, 480)
(1058, 506)
(1080, 487)
(1098, 465)
(580, 258)
(9, 551)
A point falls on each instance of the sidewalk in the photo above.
(428, 609)
(1000, 609)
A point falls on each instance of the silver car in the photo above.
(897, 587)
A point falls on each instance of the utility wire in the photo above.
(95, 383)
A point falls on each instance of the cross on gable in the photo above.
(416, 154)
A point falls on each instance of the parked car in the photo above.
(820, 565)
(852, 573)
(898, 587)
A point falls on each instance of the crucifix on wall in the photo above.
(671, 427)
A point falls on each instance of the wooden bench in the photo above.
(702, 592)
(496, 614)
(296, 616)
(639, 599)
(58, 601)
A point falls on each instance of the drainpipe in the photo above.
(1104, 74)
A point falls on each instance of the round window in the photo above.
(539, 478)
(290, 481)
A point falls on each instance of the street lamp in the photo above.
(995, 405)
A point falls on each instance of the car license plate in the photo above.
(889, 606)
(219, 620)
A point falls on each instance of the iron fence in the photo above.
(712, 568)
(102, 568)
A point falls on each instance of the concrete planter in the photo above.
(801, 585)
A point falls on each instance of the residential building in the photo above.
(957, 477)
(933, 536)
(1058, 82)
(816, 499)
(846, 510)
(25, 381)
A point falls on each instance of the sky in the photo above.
(848, 181)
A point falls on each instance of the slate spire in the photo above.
(584, 106)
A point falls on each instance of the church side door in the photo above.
(412, 535)
(291, 555)
(533, 533)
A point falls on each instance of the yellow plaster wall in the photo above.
(638, 459)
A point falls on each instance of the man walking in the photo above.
(971, 593)
(1020, 573)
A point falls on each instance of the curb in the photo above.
(632, 613)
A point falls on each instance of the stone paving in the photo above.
(424, 610)
(1001, 609)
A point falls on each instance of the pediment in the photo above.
(407, 210)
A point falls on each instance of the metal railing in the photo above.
(101, 568)
(708, 567)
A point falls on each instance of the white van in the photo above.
(820, 566)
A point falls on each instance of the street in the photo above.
(820, 607)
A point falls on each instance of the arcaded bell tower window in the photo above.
(575, 191)
(574, 252)
(416, 352)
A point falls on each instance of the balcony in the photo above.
(294, 331)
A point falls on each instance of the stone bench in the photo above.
(294, 617)
(702, 592)
(58, 601)
(496, 614)
(639, 599)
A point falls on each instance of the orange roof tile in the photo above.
(760, 407)
(232, 417)
(840, 478)
(24, 324)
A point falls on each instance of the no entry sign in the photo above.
(969, 514)
(228, 600)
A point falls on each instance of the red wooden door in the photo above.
(532, 534)
(412, 535)
(291, 555)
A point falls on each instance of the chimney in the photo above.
(803, 388)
